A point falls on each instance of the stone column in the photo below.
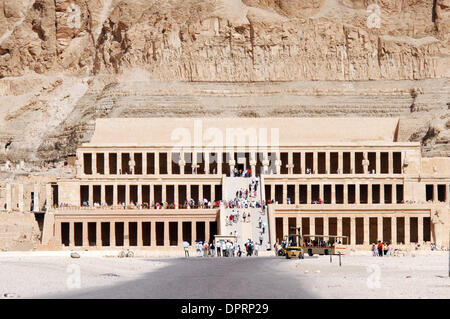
(156, 163)
(333, 193)
(213, 193)
(37, 204)
(106, 165)
(369, 193)
(312, 224)
(420, 229)
(180, 232)
(139, 193)
(176, 195)
(380, 228)
(193, 231)
(315, 163)
(98, 234)
(272, 191)
(407, 230)
(91, 195)
(139, 234)
(144, 163)
(58, 234)
(394, 229)
(352, 162)
(200, 192)
(94, 163)
(285, 226)
(119, 163)
(321, 191)
(126, 234)
(435, 193)
(48, 196)
(353, 230)
(391, 162)
(85, 234)
(339, 226)
(297, 194)
(207, 231)
(102, 194)
(366, 230)
(112, 234)
(290, 163)
(303, 162)
(381, 193)
(325, 225)
(377, 162)
(308, 193)
(345, 193)
(327, 162)
(284, 193)
(341, 162)
(188, 191)
(127, 194)
(357, 193)
(71, 234)
(115, 192)
(152, 193)
(164, 192)
(153, 233)
(219, 162)
(394, 194)
(169, 163)
(21, 193)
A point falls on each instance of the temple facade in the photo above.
(156, 182)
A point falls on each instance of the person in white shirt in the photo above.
(255, 250)
(218, 246)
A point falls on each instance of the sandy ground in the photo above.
(418, 275)
(30, 276)
(363, 276)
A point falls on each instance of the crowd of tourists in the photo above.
(224, 248)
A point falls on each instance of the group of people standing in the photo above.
(381, 249)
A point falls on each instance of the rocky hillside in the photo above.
(65, 63)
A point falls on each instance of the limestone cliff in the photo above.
(64, 63)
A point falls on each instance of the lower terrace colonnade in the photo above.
(128, 231)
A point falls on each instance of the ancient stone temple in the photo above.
(157, 182)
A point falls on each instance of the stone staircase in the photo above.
(250, 228)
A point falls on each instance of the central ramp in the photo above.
(240, 199)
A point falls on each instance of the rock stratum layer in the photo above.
(65, 63)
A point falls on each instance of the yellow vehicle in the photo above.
(325, 244)
(292, 247)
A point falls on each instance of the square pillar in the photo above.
(85, 235)
(341, 162)
(327, 162)
(193, 232)
(200, 192)
(102, 194)
(394, 229)
(153, 233)
(106, 163)
(377, 163)
(98, 234)
(21, 193)
(36, 206)
(152, 194)
(297, 194)
(325, 225)
(339, 226)
(333, 193)
(180, 232)
(308, 193)
(156, 163)
(369, 193)
(366, 230)
(353, 230)
(303, 162)
(381, 193)
(391, 162)
(285, 226)
(115, 192)
(272, 191)
(176, 195)
(71, 234)
(345, 193)
(407, 230)
(119, 163)
(91, 195)
(321, 187)
(357, 195)
(290, 163)
(207, 231)
(380, 228)
(139, 233)
(394, 194)
(352, 162)
(94, 163)
(169, 163)
(164, 192)
(139, 194)
(127, 194)
(312, 224)
(420, 229)
(126, 234)
(435, 193)
(112, 234)
(144, 163)
(285, 193)
(315, 163)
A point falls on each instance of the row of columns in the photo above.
(333, 192)
(151, 190)
(126, 239)
(290, 165)
(19, 199)
(366, 226)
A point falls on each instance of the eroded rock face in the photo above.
(64, 63)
